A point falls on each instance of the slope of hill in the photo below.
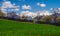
(15, 28)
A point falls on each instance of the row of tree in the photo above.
(54, 18)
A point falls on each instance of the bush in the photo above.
(46, 19)
(58, 20)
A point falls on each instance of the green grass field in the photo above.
(15, 28)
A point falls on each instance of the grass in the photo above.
(15, 28)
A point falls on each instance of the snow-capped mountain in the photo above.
(27, 13)
(44, 12)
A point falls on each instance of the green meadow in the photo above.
(17, 28)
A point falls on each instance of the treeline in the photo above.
(48, 19)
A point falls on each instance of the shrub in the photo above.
(46, 19)
(58, 20)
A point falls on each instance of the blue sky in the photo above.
(33, 4)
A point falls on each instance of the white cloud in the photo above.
(51, 8)
(38, 4)
(17, 9)
(41, 4)
(14, 4)
(8, 4)
(25, 7)
(59, 8)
